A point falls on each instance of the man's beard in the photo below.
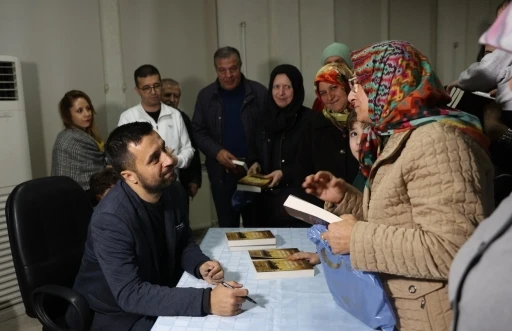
(156, 188)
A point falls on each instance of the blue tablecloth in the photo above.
(294, 304)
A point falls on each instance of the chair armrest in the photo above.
(72, 297)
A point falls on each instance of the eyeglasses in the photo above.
(352, 82)
(147, 89)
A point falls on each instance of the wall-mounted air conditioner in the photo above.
(14, 169)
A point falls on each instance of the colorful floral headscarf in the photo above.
(336, 74)
(403, 93)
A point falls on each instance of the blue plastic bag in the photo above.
(359, 293)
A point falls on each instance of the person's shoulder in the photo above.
(208, 90)
(441, 136)
(257, 86)
(67, 137)
(170, 110)
(114, 205)
(184, 115)
(130, 111)
(317, 120)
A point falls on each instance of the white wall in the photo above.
(178, 37)
(59, 45)
(277, 32)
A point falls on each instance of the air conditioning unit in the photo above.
(14, 169)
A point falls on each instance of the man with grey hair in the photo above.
(191, 177)
(224, 118)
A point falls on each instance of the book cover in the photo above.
(250, 238)
(308, 212)
(282, 268)
(254, 183)
(268, 254)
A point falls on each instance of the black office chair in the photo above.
(47, 220)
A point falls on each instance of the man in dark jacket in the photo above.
(224, 117)
(190, 177)
(138, 236)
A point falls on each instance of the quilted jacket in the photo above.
(430, 188)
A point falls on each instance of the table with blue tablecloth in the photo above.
(294, 304)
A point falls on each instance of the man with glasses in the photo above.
(166, 120)
(224, 117)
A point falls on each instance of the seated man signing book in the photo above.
(139, 237)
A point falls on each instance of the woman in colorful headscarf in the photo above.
(273, 146)
(429, 183)
(325, 144)
(334, 53)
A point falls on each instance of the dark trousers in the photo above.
(222, 194)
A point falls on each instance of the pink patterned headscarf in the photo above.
(499, 34)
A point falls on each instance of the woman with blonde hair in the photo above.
(78, 149)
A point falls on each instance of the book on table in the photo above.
(283, 268)
(251, 238)
(308, 212)
(269, 254)
(254, 183)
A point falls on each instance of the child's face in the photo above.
(355, 137)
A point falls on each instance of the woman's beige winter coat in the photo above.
(430, 188)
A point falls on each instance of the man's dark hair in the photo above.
(116, 147)
(351, 119)
(103, 180)
(224, 53)
(145, 70)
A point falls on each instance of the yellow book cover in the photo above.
(249, 235)
(255, 181)
(280, 253)
(281, 265)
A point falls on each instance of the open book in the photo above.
(308, 212)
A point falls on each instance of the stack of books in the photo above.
(250, 240)
(274, 263)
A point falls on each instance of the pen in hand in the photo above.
(246, 297)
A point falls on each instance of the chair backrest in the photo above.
(47, 220)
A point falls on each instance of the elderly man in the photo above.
(224, 117)
(190, 177)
